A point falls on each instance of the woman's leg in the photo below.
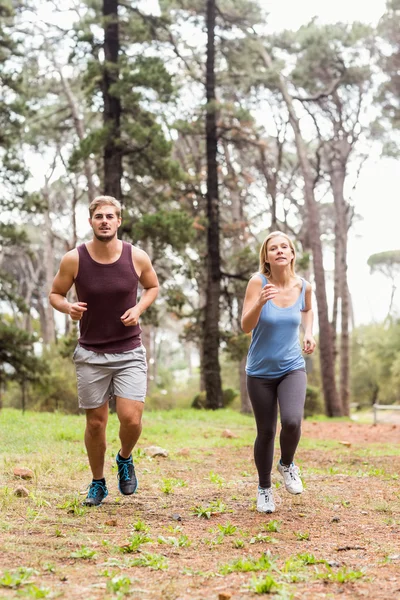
(291, 398)
(262, 394)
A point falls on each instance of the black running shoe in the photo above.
(127, 481)
(96, 494)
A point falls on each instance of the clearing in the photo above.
(192, 532)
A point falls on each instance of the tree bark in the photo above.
(332, 403)
(48, 324)
(112, 105)
(212, 371)
(80, 131)
(232, 184)
(337, 178)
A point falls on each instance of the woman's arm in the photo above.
(255, 298)
(307, 320)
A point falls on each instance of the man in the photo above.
(109, 357)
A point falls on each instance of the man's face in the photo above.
(105, 222)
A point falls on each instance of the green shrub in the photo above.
(314, 404)
(228, 396)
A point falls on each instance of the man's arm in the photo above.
(148, 280)
(62, 283)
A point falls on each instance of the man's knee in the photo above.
(96, 425)
(131, 419)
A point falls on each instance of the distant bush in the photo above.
(228, 396)
(314, 404)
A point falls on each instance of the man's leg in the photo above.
(130, 418)
(95, 438)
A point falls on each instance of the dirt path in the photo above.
(339, 539)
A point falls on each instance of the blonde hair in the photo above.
(101, 201)
(265, 268)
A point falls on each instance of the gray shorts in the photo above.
(100, 376)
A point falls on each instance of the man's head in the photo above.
(101, 200)
(105, 217)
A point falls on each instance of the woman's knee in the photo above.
(266, 434)
(291, 425)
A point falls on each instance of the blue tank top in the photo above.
(275, 345)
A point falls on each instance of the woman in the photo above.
(277, 301)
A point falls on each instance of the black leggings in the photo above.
(289, 391)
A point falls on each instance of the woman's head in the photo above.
(274, 239)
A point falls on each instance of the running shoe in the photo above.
(127, 480)
(291, 478)
(96, 494)
(265, 500)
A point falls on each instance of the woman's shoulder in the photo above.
(304, 284)
(257, 279)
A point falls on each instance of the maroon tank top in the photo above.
(109, 290)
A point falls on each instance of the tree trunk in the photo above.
(112, 104)
(80, 131)
(337, 176)
(48, 324)
(245, 404)
(212, 371)
(333, 407)
(237, 244)
(146, 341)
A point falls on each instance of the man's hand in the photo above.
(131, 317)
(76, 310)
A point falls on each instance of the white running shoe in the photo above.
(265, 500)
(291, 477)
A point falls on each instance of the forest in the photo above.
(211, 131)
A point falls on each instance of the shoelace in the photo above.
(293, 471)
(94, 489)
(124, 471)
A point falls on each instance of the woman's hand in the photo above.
(308, 344)
(268, 292)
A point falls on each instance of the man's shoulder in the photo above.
(139, 254)
(71, 256)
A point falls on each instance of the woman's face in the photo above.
(279, 252)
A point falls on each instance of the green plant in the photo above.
(343, 575)
(83, 552)
(153, 561)
(135, 541)
(168, 484)
(273, 526)
(215, 478)
(302, 536)
(183, 540)
(73, 507)
(260, 537)
(265, 585)
(246, 565)
(140, 526)
(16, 578)
(228, 529)
(216, 506)
(34, 591)
(120, 584)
